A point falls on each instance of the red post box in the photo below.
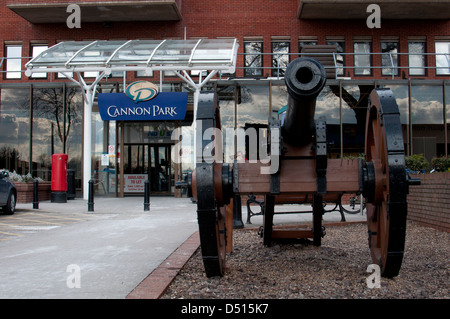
(59, 178)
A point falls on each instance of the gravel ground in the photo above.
(335, 270)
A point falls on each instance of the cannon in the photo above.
(300, 170)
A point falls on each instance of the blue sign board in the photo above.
(165, 106)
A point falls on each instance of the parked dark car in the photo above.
(8, 194)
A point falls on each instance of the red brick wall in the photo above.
(429, 203)
(25, 192)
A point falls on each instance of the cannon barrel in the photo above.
(305, 77)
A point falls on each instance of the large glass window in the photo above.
(253, 106)
(327, 108)
(401, 93)
(389, 58)
(417, 60)
(353, 128)
(279, 98)
(442, 58)
(327, 105)
(427, 120)
(48, 129)
(226, 96)
(363, 59)
(14, 61)
(15, 129)
(57, 128)
(280, 57)
(253, 59)
(252, 112)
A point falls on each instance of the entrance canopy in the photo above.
(137, 55)
(73, 58)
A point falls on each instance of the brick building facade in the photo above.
(408, 53)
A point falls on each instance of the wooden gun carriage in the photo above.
(299, 166)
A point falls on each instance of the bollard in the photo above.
(146, 195)
(35, 194)
(91, 196)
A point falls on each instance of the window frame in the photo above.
(9, 74)
(422, 54)
(445, 71)
(249, 69)
(45, 46)
(340, 55)
(358, 69)
(278, 70)
(395, 57)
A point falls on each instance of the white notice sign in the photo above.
(105, 159)
(134, 183)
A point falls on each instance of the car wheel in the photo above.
(10, 207)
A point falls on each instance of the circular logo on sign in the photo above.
(141, 91)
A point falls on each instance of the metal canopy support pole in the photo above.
(88, 95)
(87, 141)
(196, 97)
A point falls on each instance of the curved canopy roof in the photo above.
(135, 55)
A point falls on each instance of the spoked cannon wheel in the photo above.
(212, 181)
(386, 184)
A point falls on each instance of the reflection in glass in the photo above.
(443, 58)
(340, 48)
(254, 106)
(426, 102)
(253, 109)
(48, 129)
(327, 106)
(416, 58)
(427, 120)
(253, 59)
(15, 129)
(36, 50)
(354, 111)
(14, 61)
(279, 98)
(401, 97)
(351, 96)
(389, 58)
(226, 96)
(280, 57)
(362, 61)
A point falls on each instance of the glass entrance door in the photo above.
(160, 170)
(147, 161)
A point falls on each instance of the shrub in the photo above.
(416, 162)
(15, 177)
(441, 164)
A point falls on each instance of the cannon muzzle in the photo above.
(305, 77)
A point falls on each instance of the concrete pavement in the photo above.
(112, 251)
(63, 251)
